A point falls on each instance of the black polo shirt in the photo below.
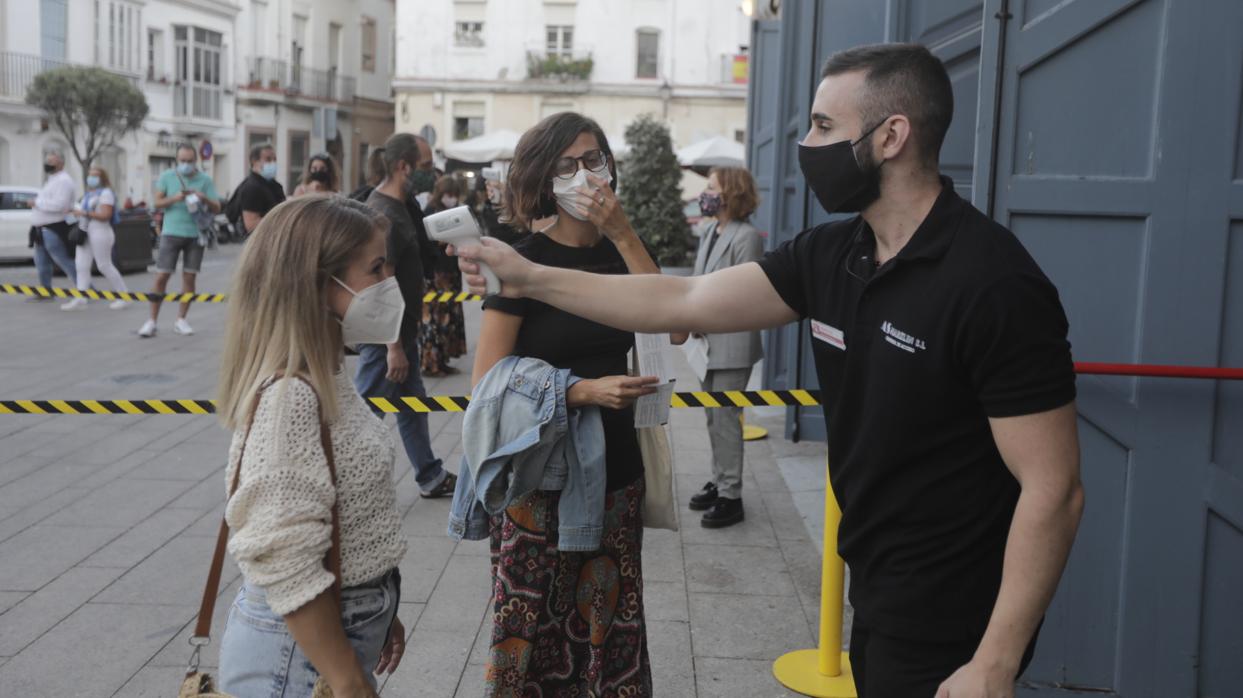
(913, 358)
(260, 194)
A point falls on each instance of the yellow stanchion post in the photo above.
(823, 672)
(751, 432)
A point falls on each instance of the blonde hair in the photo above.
(278, 320)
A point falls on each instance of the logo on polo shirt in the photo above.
(900, 339)
(828, 334)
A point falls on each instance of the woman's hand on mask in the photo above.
(605, 211)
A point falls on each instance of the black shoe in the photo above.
(726, 512)
(444, 489)
(704, 498)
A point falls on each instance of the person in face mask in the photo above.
(563, 170)
(321, 176)
(285, 395)
(946, 377)
(391, 369)
(95, 215)
(176, 191)
(260, 192)
(49, 232)
(443, 331)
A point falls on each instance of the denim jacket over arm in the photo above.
(518, 435)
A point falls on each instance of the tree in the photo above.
(91, 107)
(651, 191)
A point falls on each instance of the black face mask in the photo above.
(319, 176)
(422, 180)
(834, 173)
(49, 169)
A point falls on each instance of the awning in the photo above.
(717, 151)
(498, 145)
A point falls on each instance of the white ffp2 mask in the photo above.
(374, 314)
(567, 194)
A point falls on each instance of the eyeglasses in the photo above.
(593, 160)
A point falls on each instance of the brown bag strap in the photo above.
(202, 629)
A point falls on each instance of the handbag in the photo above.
(198, 684)
(659, 510)
(204, 219)
(658, 507)
(77, 236)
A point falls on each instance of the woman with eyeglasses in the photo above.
(570, 623)
(320, 176)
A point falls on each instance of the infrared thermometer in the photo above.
(457, 227)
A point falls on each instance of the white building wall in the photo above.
(690, 91)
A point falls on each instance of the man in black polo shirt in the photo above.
(259, 192)
(947, 379)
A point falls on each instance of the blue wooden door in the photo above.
(1112, 166)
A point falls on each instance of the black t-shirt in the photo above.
(588, 349)
(404, 254)
(913, 359)
(259, 195)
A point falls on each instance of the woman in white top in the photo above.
(281, 374)
(94, 213)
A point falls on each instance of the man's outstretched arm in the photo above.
(731, 300)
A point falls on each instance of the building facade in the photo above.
(469, 67)
(315, 77)
(220, 74)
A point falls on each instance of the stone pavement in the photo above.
(107, 525)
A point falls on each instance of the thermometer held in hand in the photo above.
(457, 227)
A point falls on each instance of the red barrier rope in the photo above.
(1148, 370)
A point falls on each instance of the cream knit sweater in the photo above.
(281, 515)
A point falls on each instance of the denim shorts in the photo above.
(258, 655)
(172, 246)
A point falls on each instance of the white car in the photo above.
(15, 206)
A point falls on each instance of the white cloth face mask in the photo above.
(567, 194)
(374, 314)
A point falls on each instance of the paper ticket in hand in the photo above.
(653, 410)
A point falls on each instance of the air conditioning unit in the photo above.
(767, 9)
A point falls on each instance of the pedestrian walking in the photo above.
(312, 506)
(391, 369)
(576, 626)
(729, 240)
(183, 193)
(96, 213)
(443, 332)
(947, 379)
(49, 232)
(321, 176)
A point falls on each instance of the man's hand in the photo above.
(979, 679)
(393, 650)
(398, 364)
(514, 270)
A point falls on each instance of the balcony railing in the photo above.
(275, 75)
(564, 66)
(18, 70)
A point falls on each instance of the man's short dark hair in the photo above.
(187, 146)
(401, 147)
(256, 151)
(901, 79)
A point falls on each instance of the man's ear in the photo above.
(895, 136)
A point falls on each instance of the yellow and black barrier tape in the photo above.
(41, 291)
(437, 403)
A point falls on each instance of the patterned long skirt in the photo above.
(443, 330)
(568, 624)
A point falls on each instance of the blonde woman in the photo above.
(281, 377)
(94, 213)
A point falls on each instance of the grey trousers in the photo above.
(725, 432)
